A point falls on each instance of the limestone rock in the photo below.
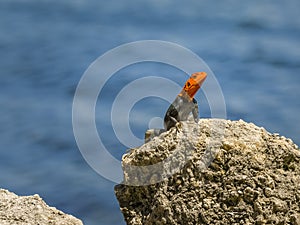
(213, 172)
(30, 210)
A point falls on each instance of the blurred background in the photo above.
(252, 47)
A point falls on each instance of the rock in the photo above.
(30, 210)
(213, 172)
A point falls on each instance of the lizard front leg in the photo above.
(195, 111)
(176, 122)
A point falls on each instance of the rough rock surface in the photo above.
(233, 173)
(30, 210)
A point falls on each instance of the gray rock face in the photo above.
(214, 172)
(30, 210)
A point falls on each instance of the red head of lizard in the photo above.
(193, 84)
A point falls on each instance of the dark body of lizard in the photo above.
(183, 105)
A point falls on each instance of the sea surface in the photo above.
(253, 48)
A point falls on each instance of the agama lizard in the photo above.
(182, 107)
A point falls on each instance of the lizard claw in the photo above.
(178, 126)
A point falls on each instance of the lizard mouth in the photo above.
(199, 77)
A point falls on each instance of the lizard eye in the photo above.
(188, 84)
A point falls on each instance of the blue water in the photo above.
(45, 47)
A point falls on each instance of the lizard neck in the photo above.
(185, 95)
